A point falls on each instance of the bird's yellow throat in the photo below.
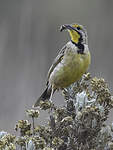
(75, 36)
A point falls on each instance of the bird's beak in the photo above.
(67, 26)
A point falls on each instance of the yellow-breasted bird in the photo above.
(71, 63)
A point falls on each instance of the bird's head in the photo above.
(77, 33)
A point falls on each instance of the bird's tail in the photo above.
(46, 95)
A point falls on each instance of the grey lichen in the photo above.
(78, 125)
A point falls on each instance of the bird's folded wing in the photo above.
(56, 61)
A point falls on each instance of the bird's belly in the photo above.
(69, 70)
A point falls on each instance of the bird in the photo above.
(71, 63)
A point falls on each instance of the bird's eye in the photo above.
(78, 28)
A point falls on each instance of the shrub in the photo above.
(78, 125)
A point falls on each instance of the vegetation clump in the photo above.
(78, 125)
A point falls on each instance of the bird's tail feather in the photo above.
(45, 96)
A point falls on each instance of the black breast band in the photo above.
(80, 47)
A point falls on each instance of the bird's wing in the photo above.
(56, 61)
